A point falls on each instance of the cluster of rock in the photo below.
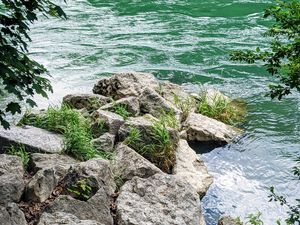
(145, 195)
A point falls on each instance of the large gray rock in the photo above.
(41, 185)
(96, 208)
(49, 169)
(11, 215)
(61, 163)
(159, 199)
(94, 169)
(105, 142)
(144, 124)
(189, 167)
(59, 218)
(132, 105)
(203, 128)
(154, 104)
(112, 120)
(87, 101)
(212, 96)
(11, 179)
(34, 139)
(129, 163)
(228, 220)
(169, 90)
(125, 84)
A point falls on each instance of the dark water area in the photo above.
(186, 42)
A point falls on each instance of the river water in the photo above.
(186, 42)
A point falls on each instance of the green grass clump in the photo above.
(186, 105)
(229, 112)
(81, 190)
(169, 119)
(75, 128)
(121, 110)
(160, 150)
(21, 152)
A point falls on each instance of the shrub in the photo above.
(121, 110)
(21, 152)
(230, 112)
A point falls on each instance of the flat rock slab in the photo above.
(34, 139)
(203, 128)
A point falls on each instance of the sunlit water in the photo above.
(185, 41)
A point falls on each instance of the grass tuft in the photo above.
(121, 110)
(21, 152)
(229, 112)
(186, 105)
(75, 128)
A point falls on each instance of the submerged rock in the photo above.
(203, 128)
(34, 139)
(87, 101)
(11, 215)
(159, 199)
(123, 85)
(11, 179)
(189, 167)
(129, 163)
(59, 218)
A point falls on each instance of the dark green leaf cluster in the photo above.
(282, 60)
(20, 75)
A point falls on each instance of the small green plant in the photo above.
(169, 119)
(133, 137)
(81, 190)
(254, 219)
(186, 105)
(221, 109)
(121, 110)
(119, 180)
(21, 152)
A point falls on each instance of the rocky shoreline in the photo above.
(132, 188)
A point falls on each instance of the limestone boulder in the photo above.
(41, 185)
(153, 103)
(59, 218)
(97, 170)
(112, 120)
(159, 199)
(123, 85)
(34, 139)
(61, 163)
(87, 101)
(170, 90)
(97, 208)
(203, 128)
(11, 215)
(129, 163)
(11, 179)
(131, 104)
(105, 142)
(191, 168)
